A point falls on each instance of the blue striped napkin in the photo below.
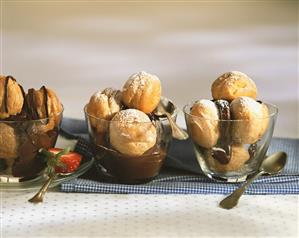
(181, 173)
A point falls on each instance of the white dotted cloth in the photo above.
(108, 215)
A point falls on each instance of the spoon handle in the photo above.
(232, 200)
(41, 193)
(177, 132)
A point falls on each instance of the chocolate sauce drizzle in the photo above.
(31, 104)
(222, 153)
(45, 100)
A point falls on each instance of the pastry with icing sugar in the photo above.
(229, 123)
(252, 120)
(232, 85)
(205, 125)
(142, 91)
(132, 133)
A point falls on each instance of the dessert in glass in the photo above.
(232, 132)
(28, 122)
(128, 140)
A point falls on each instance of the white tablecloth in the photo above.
(101, 215)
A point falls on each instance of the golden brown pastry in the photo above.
(232, 85)
(43, 104)
(254, 119)
(205, 126)
(102, 106)
(11, 97)
(142, 91)
(8, 144)
(239, 156)
(105, 104)
(132, 132)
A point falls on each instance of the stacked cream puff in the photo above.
(233, 118)
(124, 116)
(20, 107)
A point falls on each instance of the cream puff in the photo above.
(132, 133)
(204, 123)
(102, 106)
(232, 85)
(8, 145)
(252, 120)
(105, 104)
(239, 155)
(142, 91)
(11, 97)
(44, 104)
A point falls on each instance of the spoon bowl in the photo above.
(271, 165)
(177, 132)
(274, 163)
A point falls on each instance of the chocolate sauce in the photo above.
(252, 150)
(29, 163)
(222, 152)
(130, 169)
(31, 104)
(220, 155)
(24, 97)
(223, 107)
(3, 164)
(225, 125)
(45, 92)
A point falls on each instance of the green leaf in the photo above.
(54, 160)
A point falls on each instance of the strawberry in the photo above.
(67, 162)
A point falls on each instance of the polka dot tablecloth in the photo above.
(99, 215)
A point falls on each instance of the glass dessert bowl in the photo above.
(128, 133)
(20, 142)
(130, 152)
(235, 154)
(232, 132)
(28, 122)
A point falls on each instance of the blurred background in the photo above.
(79, 47)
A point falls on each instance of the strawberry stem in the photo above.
(54, 160)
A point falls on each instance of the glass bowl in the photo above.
(20, 141)
(130, 169)
(239, 148)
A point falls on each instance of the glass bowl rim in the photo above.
(173, 114)
(271, 115)
(33, 120)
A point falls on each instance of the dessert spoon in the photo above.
(271, 165)
(177, 132)
(39, 196)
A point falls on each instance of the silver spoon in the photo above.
(273, 164)
(39, 196)
(177, 132)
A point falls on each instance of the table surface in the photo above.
(106, 215)
(77, 48)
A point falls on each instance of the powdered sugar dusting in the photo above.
(234, 76)
(108, 94)
(131, 116)
(97, 94)
(247, 103)
(206, 103)
(98, 97)
(138, 80)
(206, 109)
